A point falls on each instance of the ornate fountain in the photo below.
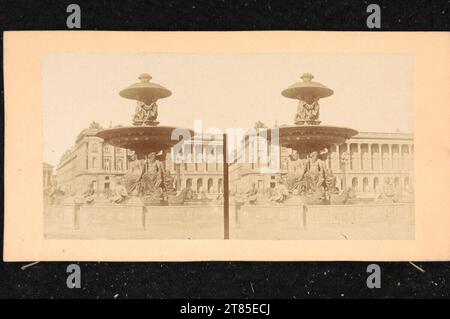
(146, 177)
(311, 142)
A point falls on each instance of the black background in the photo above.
(224, 279)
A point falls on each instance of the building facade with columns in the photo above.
(373, 158)
(199, 164)
(363, 162)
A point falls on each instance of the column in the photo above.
(370, 156)
(380, 154)
(329, 159)
(391, 158)
(350, 160)
(338, 156)
(400, 158)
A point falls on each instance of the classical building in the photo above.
(92, 160)
(363, 162)
(47, 174)
(199, 164)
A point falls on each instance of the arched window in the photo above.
(355, 183)
(220, 186)
(188, 183)
(365, 184)
(199, 185)
(397, 182)
(210, 185)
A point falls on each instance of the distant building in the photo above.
(90, 160)
(373, 157)
(201, 164)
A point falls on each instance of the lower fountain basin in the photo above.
(145, 139)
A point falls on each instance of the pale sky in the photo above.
(372, 93)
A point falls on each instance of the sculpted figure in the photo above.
(315, 176)
(330, 179)
(136, 169)
(88, 194)
(307, 111)
(280, 192)
(296, 172)
(119, 193)
(169, 182)
(153, 176)
(52, 192)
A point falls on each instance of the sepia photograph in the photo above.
(225, 146)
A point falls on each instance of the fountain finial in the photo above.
(308, 93)
(307, 77)
(145, 77)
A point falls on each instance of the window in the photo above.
(94, 147)
(106, 149)
(107, 164)
(119, 164)
(94, 162)
(210, 185)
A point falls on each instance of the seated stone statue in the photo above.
(119, 193)
(280, 192)
(190, 195)
(314, 176)
(329, 178)
(152, 178)
(88, 194)
(169, 182)
(136, 169)
(296, 171)
(52, 192)
(389, 194)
